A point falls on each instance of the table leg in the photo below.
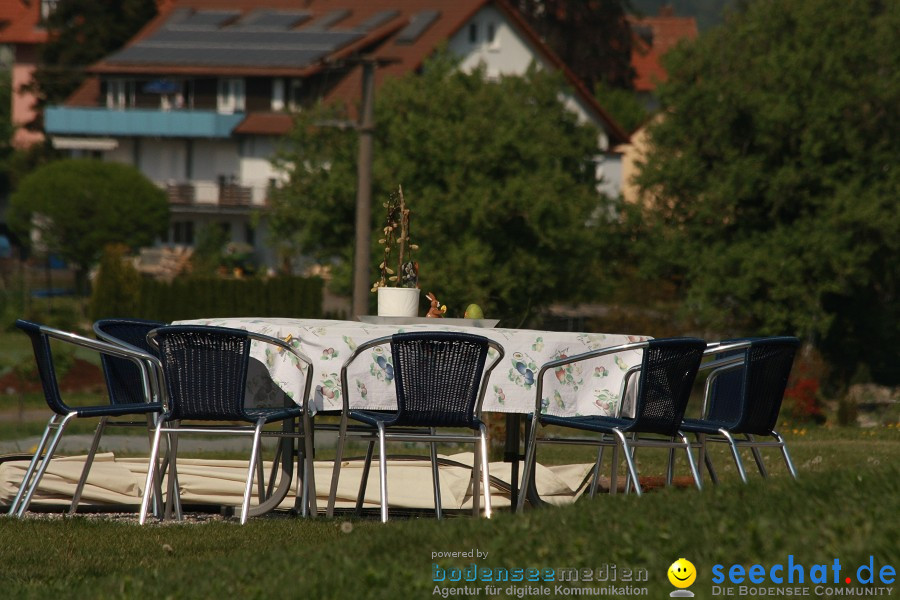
(511, 454)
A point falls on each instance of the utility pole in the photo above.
(363, 254)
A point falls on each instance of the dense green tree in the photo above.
(499, 176)
(78, 206)
(591, 36)
(82, 32)
(624, 106)
(775, 173)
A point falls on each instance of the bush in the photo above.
(117, 290)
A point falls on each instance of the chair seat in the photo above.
(589, 422)
(373, 417)
(705, 426)
(116, 410)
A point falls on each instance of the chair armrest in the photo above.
(539, 389)
(146, 363)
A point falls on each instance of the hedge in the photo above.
(195, 298)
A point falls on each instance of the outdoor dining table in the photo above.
(589, 387)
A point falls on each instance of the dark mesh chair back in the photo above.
(726, 404)
(205, 371)
(668, 370)
(123, 377)
(437, 378)
(766, 374)
(43, 356)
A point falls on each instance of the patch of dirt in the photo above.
(81, 377)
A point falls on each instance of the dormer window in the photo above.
(231, 95)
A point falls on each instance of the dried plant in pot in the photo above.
(398, 288)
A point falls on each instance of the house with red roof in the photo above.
(199, 97)
(654, 36)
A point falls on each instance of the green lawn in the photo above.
(844, 506)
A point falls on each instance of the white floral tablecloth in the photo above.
(590, 387)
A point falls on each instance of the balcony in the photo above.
(60, 120)
(208, 196)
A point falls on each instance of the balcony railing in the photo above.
(181, 193)
(93, 121)
(211, 194)
(233, 194)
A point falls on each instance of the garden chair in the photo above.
(123, 379)
(143, 401)
(664, 379)
(205, 373)
(744, 391)
(440, 380)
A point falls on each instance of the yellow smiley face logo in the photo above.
(682, 573)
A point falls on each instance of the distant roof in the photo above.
(287, 38)
(654, 36)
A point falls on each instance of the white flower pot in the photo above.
(398, 302)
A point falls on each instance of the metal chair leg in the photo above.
(382, 471)
(309, 451)
(485, 472)
(336, 470)
(629, 461)
(254, 455)
(784, 453)
(757, 456)
(694, 471)
(151, 471)
(476, 480)
(364, 480)
(95, 442)
(614, 472)
(736, 454)
(48, 456)
(596, 476)
(436, 479)
(26, 481)
(173, 497)
(670, 469)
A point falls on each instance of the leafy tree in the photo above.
(776, 178)
(78, 206)
(623, 105)
(499, 177)
(82, 32)
(591, 36)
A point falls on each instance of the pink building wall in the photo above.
(23, 102)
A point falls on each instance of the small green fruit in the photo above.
(473, 311)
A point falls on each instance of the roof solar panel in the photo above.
(328, 20)
(205, 19)
(377, 20)
(230, 57)
(250, 38)
(271, 19)
(418, 24)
